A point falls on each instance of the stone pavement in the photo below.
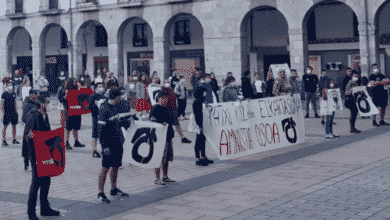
(336, 179)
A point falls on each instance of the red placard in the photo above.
(78, 101)
(50, 152)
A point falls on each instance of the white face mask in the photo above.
(100, 90)
(10, 88)
(62, 73)
(376, 70)
(331, 85)
(308, 71)
(354, 78)
(167, 85)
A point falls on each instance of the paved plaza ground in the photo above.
(345, 178)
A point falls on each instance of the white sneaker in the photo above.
(329, 136)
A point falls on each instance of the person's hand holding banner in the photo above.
(363, 102)
(144, 144)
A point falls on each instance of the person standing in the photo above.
(321, 85)
(197, 109)
(379, 94)
(37, 120)
(181, 94)
(214, 85)
(328, 84)
(26, 88)
(269, 83)
(10, 113)
(72, 123)
(43, 85)
(87, 79)
(28, 104)
(247, 90)
(174, 80)
(310, 81)
(350, 101)
(281, 86)
(94, 103)
(229, 93)
(259, 87)
(161, 114)
(18, 80)
(130, 91)
(62, 77)
(295, 84)
(206, 83)
(346, 80)
(172, 106)
(111, 139)
(142, 105)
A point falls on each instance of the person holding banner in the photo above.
(328, 84)
(379, 94)
(281, 86)
(161, 114)
(112, 140)
(350, 101)
(200, 142)
(37, 120)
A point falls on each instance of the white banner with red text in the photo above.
(237, 129)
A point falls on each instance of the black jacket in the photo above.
(214, 85)
(197, 105)
(247, 90)
(28, 104)
(310, 82)
(92, 106)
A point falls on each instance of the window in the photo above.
(100, 36)
(64, 39)
(139, 38)
(53, 4)
(182, 32)
(18, 6)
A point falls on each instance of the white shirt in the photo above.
(25, 91)
(259, 86)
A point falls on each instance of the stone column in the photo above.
(78, 60)
(161, 57)
(10, 6)
(253, 63)
(363, 45)
(38, 55)
(113, 61)
(299, 47)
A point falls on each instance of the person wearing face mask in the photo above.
(17, 79)
(111, 140)
(321, 85)
(43, 85)
(281, 86)
(10, 113)
(37, 120)
(62, 77)
(259, 87)
(350, 101)
(94, 103)
(328, 84)
(173, 107)
(206, 83)
(310, 81)
(379, 94)
(346, 80)
(181, 94)
(229, 93)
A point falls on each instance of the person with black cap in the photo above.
(200, 142)
(28, 104)
(161, 114)
(37, 120)
(111, 139)
(10, 113)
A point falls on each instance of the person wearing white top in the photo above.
(258, 87)
(26, 87)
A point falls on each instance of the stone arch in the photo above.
(253, 44)
(381, 31)
(132, 49)
(172, 49)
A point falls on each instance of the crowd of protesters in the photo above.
(109, 100)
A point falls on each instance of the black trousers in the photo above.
(26, 161)
(181, 108)
(42, 183)
(200, 145)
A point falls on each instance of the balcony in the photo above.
(15, 16)
(130, 3)
(51, 12)
(87, 6)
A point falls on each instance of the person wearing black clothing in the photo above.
(214, 85)
(72, 122)
(350, 101)
(94, 103)
(28, 104)
(206, 83)
(111, 139)
(269, 83)
(174, 81)
(246, 86)
(10, 113)
(311, 85)
(37, 120)
(18, 80)
(346, 79)
(379, 94)
(200, 142)
(161, 114)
